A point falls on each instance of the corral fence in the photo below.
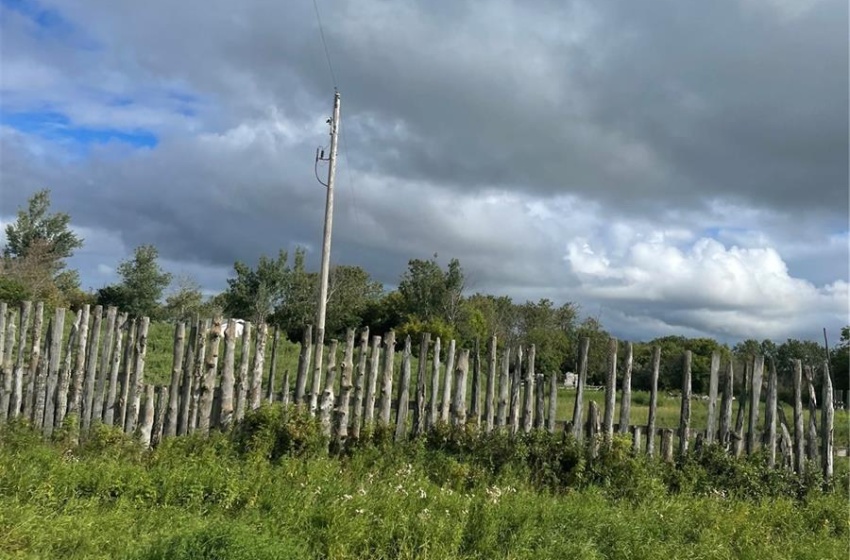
(96, 374)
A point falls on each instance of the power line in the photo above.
(325, 44)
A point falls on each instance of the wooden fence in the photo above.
(97, 374)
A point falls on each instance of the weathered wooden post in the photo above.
(387, 379)
(285, 398)
(528, 404)
(273, 366)
(7, 367)
(91, 367)
(372, 385)
(242, 379)
(553, 402)
(738, 445)
(102, 375)
(578, 409)
(198, 373)
(138, 380)
(459, 401)
(610, 392)
(812, 433)
(4, 311)
(540, 404)
(434, 394)
(593, 428)
(145, 424)
(713, 383)
(667, 445)
(626, 397)
(52, 402)
(403, 393)
(64, 388)
(636, 444)
(35, 359)
(827, 424)
(109, 411)
(303, 364)
(228, 377)
(726, 406)
(360, 384)
(255, 389)
(327, 402)
(79, 371)
(799, 433)
(475, 397)
(685, 416)
(755, 396)
(160, 411)
(516, 383)
(446, 402)
(653, 401)
(419, 418)
(769, 437)
(42, 390)
(345, 386)
(169, 428)
(504, 388)
(490, 390)
(17, 392)
(786, 447)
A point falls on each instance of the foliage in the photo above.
(427, 292)
(272, 432)
(142, 284)
(840, 364)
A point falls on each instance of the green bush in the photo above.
(273, 431)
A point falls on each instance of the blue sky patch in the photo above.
(51, 23)
(58, 128)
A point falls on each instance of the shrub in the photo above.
(273, 431)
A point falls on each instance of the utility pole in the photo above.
(326, 255)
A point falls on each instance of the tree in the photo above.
(255, 293)
(143, 282)
(430, 293)
(840, 364)
(185, 299)
(37, 245)
(351, 291)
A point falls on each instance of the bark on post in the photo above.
(121, 403)
(79, 372)
(285, 398)
(770, 415)
(516, 383)
(578, 407)
(685, 415)
(812, 432)
(160, 411)
(799, 433)
(755, 395)
(528, 404)
(421, 374)
(198, 374)
(433, 400)
(146, 419)
(626, 397)
(786, 447)
(170, 426)
(109, 411)
(610, 391)
(553, 402)
(65, 373)
(653, 401)
(475, 397)
(593, 427)
(273, 366)
(827, 425)
(446, 403)
(387, 379)
(43, 390)
(459, 399)
(636, 444)
(255, 390)
(540, 403)
(713, 383)
(667, 445)
(51, 402)
(17, 389)
(345, 387)
(205, 405)
(102, 376)
(372, 385)
(504, 388)
(91, 367)
(303, 364)
(35, 359)
(726, 406)
(241, 389)
(4, 311)
(316, 381)
(7, 367)
(738, 445)
(490, 391)
(327, 402)
(360, 384)
(403, 393)
(138, 383)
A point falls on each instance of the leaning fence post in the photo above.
(578, 410)
(43, 389)
(7, 367)
(812, 434)
(799, 433)
(610, 392)
(303, 364)
(459, 401)
(685, 416)
(160, 409)
(35, 360)
(109, 411)
(769, 437)
(626, 400)
(65, 373)
(713, 382)
(421, 374)
(17, 392)
(827, 424)
(755, 396)
(403, 393)
(434, 400)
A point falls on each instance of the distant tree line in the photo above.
(429, 298)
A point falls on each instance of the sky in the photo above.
(672, 167)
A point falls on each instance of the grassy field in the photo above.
(217, 499)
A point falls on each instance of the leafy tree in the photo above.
(142, 284)
(840, 361)
(351, 291)
(185, 299)
(255, 293)
(430, 293)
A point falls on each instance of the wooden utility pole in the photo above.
(326, 252)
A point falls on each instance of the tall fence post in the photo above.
(799, 433)
(516, 383)
(446, 401)
(43, 390)
(102, 376)
(270, 393)
(403, 393)
(79, 369)
(138, 381)
(228, 377)
(528, 405)
(35, 361)
(91, 367)
(360, 384)
(242, 374)
(812, 433)
(553, 402)
(713, 385)
(345, 387)
(303, 364)
(726, 406)
(387, 378)
(504, 388)
(65, 370)
(610, 392)
(653, 401)
(327, 401)
(626, 397)
(490, 390)
(17, 389)
(421, 375)
(459, 404)
(372, 385)
(755, 397)
(475, 389)
(827, 424)
(578, 407)
(7, 368)
(769, 437)
(685, 416)
(433, 400)
(110, 411)
(255, 390)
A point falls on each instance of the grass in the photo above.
(192, 498)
